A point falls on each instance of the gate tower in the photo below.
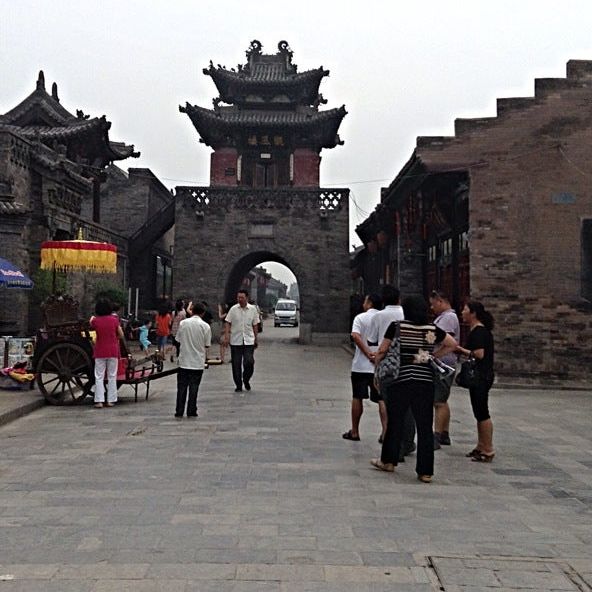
(264, 202)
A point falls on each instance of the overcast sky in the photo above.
(401, 69)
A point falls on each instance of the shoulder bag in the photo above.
(469, 376)
(387, 371)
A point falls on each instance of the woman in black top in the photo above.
(480, 345)
(413, 388)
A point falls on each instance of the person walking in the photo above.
(106, 352)
(447, 320)
(413, 388)
(194, 337)
(240, 331)
(480, 345)
(362, 368)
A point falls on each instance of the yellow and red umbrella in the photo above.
(78, 255)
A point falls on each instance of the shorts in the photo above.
(442, 389)
(362, 384)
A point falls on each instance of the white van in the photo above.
(286, 313)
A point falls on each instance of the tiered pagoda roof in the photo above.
(267, 95)
(267, 78)
(41, 117)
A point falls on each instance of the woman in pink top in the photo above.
(106, 352)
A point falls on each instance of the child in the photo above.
(143, 335)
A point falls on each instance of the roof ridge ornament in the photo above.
(284, 47)
(54, 92)
(41, 81)
(254, 49)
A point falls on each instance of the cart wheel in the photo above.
(64, 374)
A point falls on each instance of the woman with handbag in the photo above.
(413, 387)
(480, 347)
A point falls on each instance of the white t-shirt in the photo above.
(363, 325)
(241, 324)
(194, 335)
(448, 321)
(382, 319)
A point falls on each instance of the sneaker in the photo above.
(445, 439)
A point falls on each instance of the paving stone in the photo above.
(262, 493)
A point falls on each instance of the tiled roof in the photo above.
(41, 116)
(242, 118)
(266, 74)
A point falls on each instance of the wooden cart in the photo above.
(63, 361)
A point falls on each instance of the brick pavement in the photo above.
(260, 493)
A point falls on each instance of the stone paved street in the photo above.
(261, 493)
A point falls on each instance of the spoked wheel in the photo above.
(64, 374)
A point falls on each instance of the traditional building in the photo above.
(502, 212)
(264, 202)
(53, 172)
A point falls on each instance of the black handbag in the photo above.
(387, 371)
(469, 376)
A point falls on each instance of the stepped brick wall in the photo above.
(530, 188)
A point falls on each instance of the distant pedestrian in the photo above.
(413, 388)
(240, 331)
(179, 314)
(194, 336)
(143, 332)
(480, 345)
(162, 322)
(362, 368)
(106, 352)
(222, 312)
(447, 320)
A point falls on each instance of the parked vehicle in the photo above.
(285, 313)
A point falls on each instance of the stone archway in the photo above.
(244, 265)
(222, 233)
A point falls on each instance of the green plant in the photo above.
(116, 294)
(43, 279)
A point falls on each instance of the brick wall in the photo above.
(530, 188)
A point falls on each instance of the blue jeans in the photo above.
(187, 380)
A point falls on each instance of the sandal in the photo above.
(473, 453)
(349, 436)
(378, 464)
(425, 478)
(483, 457)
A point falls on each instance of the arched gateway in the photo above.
(264, 202)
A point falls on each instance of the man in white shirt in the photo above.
(392, 312)
(362, 369)
(195, 337)
(240, 331)
(447, 320)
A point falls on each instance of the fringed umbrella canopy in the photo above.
(79, 255)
